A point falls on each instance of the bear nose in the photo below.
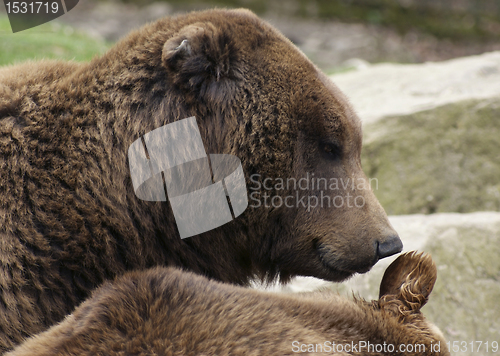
(390, 246)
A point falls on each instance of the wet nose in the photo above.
(390, 246)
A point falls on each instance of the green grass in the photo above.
(47, 41)
(441, 160)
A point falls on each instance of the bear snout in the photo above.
(390, 246)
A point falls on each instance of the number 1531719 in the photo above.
(34, 7)
(472, 346)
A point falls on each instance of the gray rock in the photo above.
(441, 160)
(431, 133)
(400, 89)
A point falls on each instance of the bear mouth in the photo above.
(340, 268)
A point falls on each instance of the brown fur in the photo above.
(169, 312)
(69, 218)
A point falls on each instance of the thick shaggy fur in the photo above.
(169, 312)
(69, 218)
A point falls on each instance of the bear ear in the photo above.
(178, 48)
(197, 54)
(409, 279)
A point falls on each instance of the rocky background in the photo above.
(425, 79)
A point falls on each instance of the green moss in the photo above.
(340, 70)
(49, 41)
(442, 160)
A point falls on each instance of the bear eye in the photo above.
(330, 150)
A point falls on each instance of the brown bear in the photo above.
(165, 311)
(70, 218)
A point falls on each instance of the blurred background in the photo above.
(330, 32)
(424, 76)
